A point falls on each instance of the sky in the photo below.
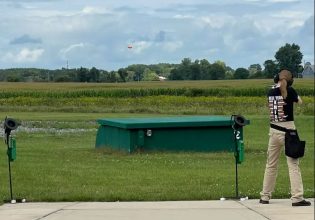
(52, 34)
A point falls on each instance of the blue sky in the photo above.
(48, 33)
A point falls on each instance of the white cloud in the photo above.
(253, 0)
(172, 46)
(95, 10)
(96, 33)
(179, 16)
(281, 21)
(291, 14)
(25, 55)
(139, 46)
(275, 1)
(65, 51)
(217, 21)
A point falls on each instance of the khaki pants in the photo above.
(276, 143)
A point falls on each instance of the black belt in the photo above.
(279, 128)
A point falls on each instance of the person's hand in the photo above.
(299, 100)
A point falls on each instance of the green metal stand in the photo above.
(11, 155)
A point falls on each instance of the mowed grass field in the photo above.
(57, 161)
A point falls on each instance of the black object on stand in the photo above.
(9, 125)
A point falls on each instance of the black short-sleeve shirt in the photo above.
(281, 109)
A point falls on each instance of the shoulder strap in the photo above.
(278, 128)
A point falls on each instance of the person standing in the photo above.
(280, 102)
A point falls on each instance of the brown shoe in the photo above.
(263, 201)
(302, 203)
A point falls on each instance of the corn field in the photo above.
(186, 97)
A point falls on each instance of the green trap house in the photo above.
(194, 133)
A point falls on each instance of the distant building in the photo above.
(308, 71)
(162, 78)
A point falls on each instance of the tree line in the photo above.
(288, 57)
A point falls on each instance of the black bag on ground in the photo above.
(294, 147)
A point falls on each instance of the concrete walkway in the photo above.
(179, 210)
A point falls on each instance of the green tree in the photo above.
(229, 72)
(175, 75)
(257, 75)
(289, 57)
(217, 71)
(255, 71)
(195, 71)
(130, 76)
(220, 63)
(183, 71)
(83, 74)
(94, 75)
(13, 78)
(138, 69)
(112, 76)
(204, 69)
(149, 75)
(71, 73)
(271, 68)
(63, 78)
(241, 73)
(123, 74)
(184, 68)
(253, 68)
(103, 75)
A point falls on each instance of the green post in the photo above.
(12, 149)
(240, 151)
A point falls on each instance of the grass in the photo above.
(57, 166)
(57, 161)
